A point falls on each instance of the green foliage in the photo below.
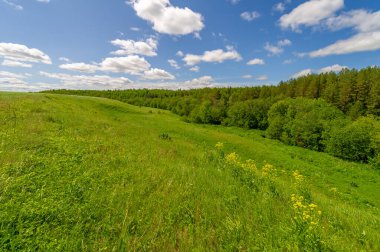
(354, 92)
(302, 122)
(89, 174)
(165, 136)
(358, 141)
(251, 114)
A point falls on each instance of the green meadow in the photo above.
(92, 174)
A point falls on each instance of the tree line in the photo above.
(314, 111)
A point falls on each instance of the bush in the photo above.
(303, 122)
(358, 141)
(251, 114)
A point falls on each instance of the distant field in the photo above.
(91, 174)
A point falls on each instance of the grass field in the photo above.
(91, 174)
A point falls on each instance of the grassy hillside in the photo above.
(85, 174)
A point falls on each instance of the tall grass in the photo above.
(89, 174)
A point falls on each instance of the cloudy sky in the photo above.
(107, 44)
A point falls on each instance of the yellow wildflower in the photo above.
(219, 145)
(232, 158)
(249, 165)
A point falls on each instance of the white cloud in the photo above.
(234, 1)
(249, 16)
(43, 1)
(157, 74)
(280, 7)
(273, 50)
(132, 64)
(174, 64)
(302, 73)
(180, 54)
(262, 78)
(194, 69)
(128, 47)
(167, 18)
(5, 74)
(284, 42)
(64, 59)
(288, 61)
(80, 67)
(247, 76)
(361, 42)
(88, 82)
(367, 39)
(218, 56)
(277, 49)
(13, 5)
(17, 52)
(136, 29)
(256, 62)
(333, 68)
(310, 13)
(12, 63)
(202, 81)
(15, 82)
(361, 20)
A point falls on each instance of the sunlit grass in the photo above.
(85, 174)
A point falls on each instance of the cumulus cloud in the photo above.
(174, 64)
(43, 1)
(132, 64)
(249, 16)
(217, 56)
(278, 48)
(321, 13)
(194, 69)
(16, 82)
(280, 7)
(88, 82)
(12, 63)
(157, 74)
(367, 38)
(128, 47)
(6, 74)
(256, 62)
(168, 19)
(80, 67)
(22, 53)
(310, 13)
(333, 68)
(180, 54)
(203, 81)
(360, 20)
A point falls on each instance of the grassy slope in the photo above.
(80, 173)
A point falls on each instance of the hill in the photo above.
(84, 174)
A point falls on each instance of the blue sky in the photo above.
(104, 44)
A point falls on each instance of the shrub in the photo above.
(303, 122)
(358, 141)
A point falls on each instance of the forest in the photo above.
(337, 113)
